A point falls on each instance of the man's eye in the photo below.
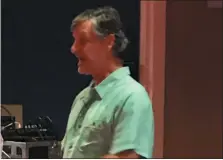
(82, 41)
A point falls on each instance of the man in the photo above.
(113, 117)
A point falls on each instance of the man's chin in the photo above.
(83, 71)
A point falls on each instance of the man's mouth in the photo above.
(80, 60)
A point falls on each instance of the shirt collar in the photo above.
(108, 82)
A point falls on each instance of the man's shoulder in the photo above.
(133, 98)
(132, 87)
(130, 90)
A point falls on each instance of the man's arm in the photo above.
(134, 129)
(128, 154)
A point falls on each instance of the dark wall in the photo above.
(193, 103)
(38, 70)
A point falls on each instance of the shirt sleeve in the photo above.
(134, 126)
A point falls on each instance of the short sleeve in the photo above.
(134, 126)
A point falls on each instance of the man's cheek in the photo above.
(91, 52)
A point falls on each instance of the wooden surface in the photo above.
(152, 63)
(193, 104)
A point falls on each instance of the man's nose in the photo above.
(73, 48)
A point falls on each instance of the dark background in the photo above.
(38, 70)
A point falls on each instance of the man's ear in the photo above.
(110, 39)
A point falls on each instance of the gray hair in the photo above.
(106, 21)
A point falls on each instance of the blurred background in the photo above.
(39, 72)
(38, 69)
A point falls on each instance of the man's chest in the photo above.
(89, 130)
(90, 125)
(90, 113)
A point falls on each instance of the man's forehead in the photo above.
(84, 27)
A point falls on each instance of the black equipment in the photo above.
(34, 140)
(8, 122)
(41, 129)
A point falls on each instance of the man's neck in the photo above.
(98, 78)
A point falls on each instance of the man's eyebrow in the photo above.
(82, 33)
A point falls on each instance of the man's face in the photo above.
(90, 49)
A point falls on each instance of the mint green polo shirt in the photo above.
(112, 117)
